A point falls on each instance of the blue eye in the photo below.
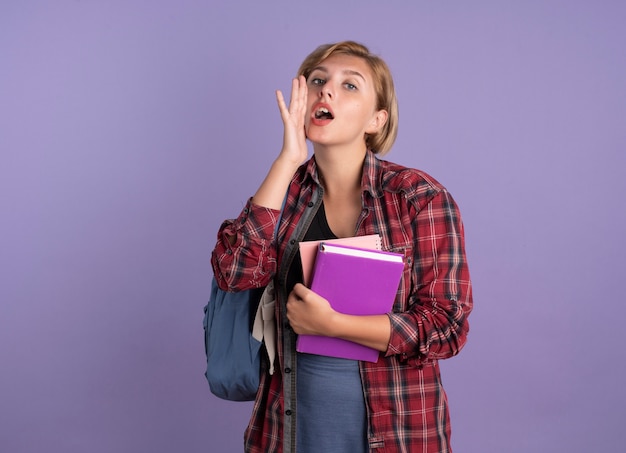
(350, 86)
(317, 81)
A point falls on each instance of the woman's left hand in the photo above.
(308, 312)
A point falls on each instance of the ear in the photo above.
(377, 122)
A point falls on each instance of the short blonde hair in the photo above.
(382, 141)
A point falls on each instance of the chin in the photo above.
(317, 136)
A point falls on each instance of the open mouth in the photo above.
(322, 113)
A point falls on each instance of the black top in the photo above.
(318, 230)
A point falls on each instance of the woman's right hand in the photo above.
(294, 138)
(271, 193)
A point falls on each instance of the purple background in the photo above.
(130, 129)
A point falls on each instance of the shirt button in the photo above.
(287, 370)
(311, 204)
(288, 412)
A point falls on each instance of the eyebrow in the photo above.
(345, 71)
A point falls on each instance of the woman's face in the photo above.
(341, 105)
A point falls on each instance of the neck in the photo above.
(340, 171)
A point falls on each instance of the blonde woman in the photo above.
(343, 101)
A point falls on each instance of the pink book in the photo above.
(355, 281)
(308, 250)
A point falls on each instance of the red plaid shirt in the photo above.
(406, 405)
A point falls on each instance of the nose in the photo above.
(326, 91)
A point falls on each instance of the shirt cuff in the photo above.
(257, 221)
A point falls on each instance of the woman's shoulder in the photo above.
(415, 184)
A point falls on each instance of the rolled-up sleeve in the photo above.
(244, 256)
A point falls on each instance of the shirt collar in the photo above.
(371, 179)
(372, 175)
